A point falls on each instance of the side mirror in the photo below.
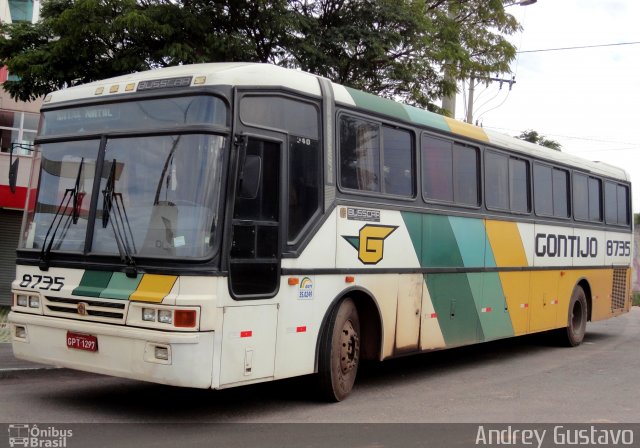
(13, 174)
(251, 177)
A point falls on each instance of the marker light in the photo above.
(34, 302)
(22, 300)
(149, 314)
(165, 316)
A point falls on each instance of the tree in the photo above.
(394, 48)
(533, 137)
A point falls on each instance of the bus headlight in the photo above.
(22, 300)
(165, 316)
(149, 314)
(34, 302)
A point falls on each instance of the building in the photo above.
(18, 125)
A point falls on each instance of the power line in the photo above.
(590, 139)
(578, 48)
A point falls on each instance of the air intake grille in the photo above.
(619, 289)
(93, 310)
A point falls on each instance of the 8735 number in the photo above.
(44, 282)
(618, 248)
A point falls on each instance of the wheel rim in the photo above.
(576, 317)
(349, 348)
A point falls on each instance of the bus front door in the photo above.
(249, 326)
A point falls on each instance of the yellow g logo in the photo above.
(370, 242)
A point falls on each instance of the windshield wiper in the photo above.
(120, 219)
(69, 195)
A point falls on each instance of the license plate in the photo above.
(82, 341)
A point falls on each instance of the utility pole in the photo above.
(472, 84)
(449, 102)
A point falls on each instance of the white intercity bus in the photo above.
(218, 225)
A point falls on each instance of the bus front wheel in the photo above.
(339, 352)
(573, 334)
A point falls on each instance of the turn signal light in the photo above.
(184, 318)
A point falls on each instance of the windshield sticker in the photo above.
(179, 241)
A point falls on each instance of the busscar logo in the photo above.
(370, 242)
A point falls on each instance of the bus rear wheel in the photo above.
(573, 334)
(339, 355)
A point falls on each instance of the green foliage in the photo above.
(636, 219)
(636, 299)
(533, 137)
(394, 48)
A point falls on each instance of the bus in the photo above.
(225, 224)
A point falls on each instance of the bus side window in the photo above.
(305, 168)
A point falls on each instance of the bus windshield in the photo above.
(158, 195)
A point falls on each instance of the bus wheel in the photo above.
(577, 319)
(339, 352)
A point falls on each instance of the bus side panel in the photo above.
(508, 249)
(544, 300)
(516, 291)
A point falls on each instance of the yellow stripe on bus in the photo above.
(515, 286)
(506, 244)
(462, 128)
(153, 288)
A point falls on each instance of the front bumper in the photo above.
(122, 351)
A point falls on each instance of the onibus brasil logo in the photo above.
(370, 242)
(38, 437)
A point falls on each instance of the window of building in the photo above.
(551, 189)
(450, 171)
(376, 158)
(21, 10)
(18, 128)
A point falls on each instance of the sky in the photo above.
(588, 99)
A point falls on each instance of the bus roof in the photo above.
(268, 75)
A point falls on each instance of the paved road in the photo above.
(517, 380)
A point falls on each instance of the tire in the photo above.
(339, 354)
(573, 334)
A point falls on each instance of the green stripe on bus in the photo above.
(456, 310)
(470, 237)
(489, 258)
(439, 245)
(92, 283)
(427, 118)
(495, 319)
(120, 286)
(378, 104)
(413, 223)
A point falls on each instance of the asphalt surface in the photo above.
(517, 380)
